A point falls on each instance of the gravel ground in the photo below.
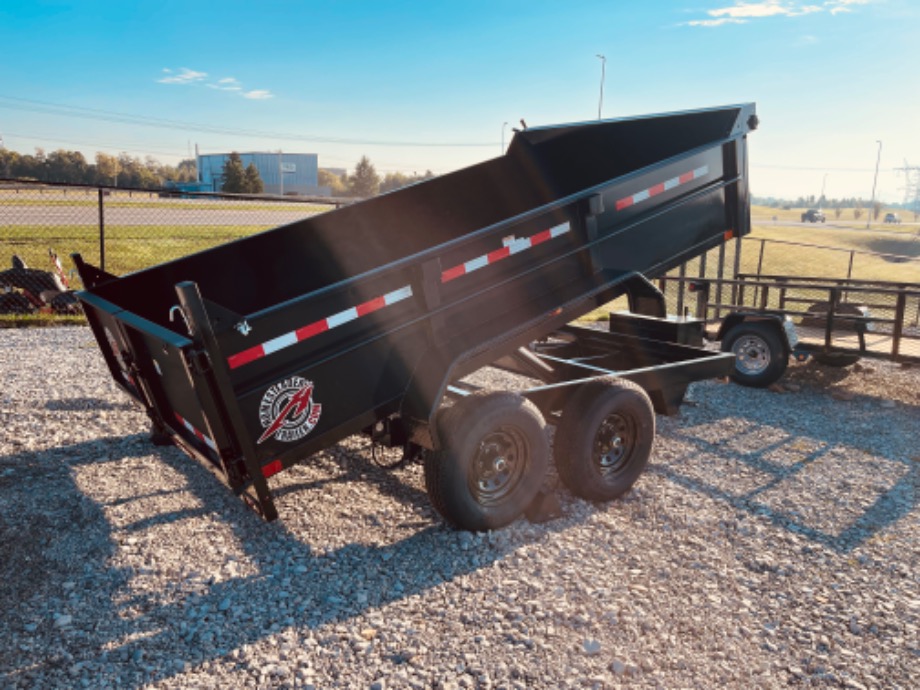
(772, 542)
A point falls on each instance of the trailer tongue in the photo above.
(256, 354)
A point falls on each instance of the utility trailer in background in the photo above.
(766, 319)
(256, 354)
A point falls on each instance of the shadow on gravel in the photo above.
(136, 632)
(803, 483)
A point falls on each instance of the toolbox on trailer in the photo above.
(258, 353)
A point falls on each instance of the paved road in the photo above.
(119, 215)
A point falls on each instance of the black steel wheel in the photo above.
(493, 459)
(760, 356)
(604, 439)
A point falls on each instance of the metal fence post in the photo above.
(101, 230)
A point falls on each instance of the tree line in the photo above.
(123, 170)
(365, 182)
(114, 171)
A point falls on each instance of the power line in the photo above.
(14, 103)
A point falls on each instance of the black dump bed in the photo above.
(372, 310)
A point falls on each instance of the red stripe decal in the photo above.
(274, 467)
(686, 177)
(452, 273)
(657, 189)
(309, 331)
(246, 356)
(541, 237)
(371, 306)
(498, 254)
(624, 203)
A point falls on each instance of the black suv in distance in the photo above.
(813, 215)
(892, 218)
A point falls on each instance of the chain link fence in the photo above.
(119, 230)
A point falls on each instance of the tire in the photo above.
(760, 355)
(492, 462)
(604, 439)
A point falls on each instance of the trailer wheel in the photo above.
(604, 440)
(760, 356)
(493, 459)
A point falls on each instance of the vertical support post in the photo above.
(720, 274)
(203, 335)
(900, 316)
(736, 269)
(702, 308)
(101, 229)
(682, 273)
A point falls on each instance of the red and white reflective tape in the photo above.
(317, 327)
(661, 187)
(200, 436)
(514, 246)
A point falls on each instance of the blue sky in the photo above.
(429, 85)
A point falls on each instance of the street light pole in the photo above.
(600, 103)
(280, 173)
(823, 185)
(504, 124)
(874, 182)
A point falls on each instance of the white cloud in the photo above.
(227, 84)
(257, 94)
(232, 84)
(716, 22)
(742, 12)
(184, 76)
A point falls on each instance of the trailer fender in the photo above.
(781, 323)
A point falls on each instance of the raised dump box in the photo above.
(258, 353)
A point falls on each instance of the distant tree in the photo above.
(252, 181)
(876, 209)
(336, 185)
(857, 211)
(187, 170)
(106, 169)
(365, 182)
(234, 174)
(838, 209)
(393, 181)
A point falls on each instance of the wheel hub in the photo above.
(752, 354)
(613, 442)
(498, 466)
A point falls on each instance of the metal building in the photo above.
(281, 173)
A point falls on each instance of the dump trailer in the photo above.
(261, 352)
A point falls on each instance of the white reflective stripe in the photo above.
(641, 196)
(699, 172)
(518, 245)
(672, 183)
(207, 441)
(279, 343)
(397, 295)
(342, 317)
(478, 262)
(559, 230)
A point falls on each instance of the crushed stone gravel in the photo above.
(772, 542)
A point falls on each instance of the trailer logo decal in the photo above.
(288, 411)
(511, 246)
(313, 329)
(661, 187)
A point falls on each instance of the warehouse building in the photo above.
(281, 173)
